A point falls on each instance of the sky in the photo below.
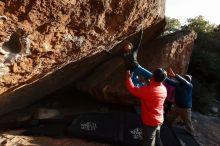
(183, 9)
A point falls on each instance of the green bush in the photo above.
(204, 67)
(201, 97)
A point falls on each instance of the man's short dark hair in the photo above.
(159, 75)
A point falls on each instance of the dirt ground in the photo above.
(8, 139)
(207, 129)
(59, 104)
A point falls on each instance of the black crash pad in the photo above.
(118, 128)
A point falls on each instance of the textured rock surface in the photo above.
(47, 44)
(107, 82)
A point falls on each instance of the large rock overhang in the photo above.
(56, 42)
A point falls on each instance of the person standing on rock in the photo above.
(152, 97)
(183, 99)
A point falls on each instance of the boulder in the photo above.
(45, 45)
(107, 81)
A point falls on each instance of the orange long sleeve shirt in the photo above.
(152, 99)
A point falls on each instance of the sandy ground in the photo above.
(10, 139)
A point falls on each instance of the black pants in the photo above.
(151, 136)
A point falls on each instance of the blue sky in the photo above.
(183, 9)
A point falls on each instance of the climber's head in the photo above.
(159, 75)
(128, 46)
(188, 77)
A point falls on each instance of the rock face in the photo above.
(107, 82)
(45, 45)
